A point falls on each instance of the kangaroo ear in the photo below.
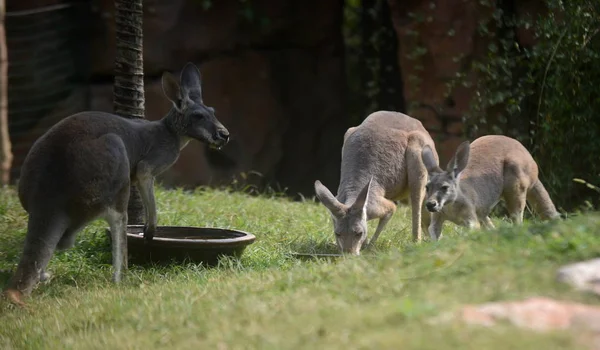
(329, 201)
(363, 197)
(191, 82)
(171, 89)
(459, 162)
(429, 160)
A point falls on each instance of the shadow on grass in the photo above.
(313, 246)
(312, 249)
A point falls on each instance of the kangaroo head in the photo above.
(443, 186)
(193, 118)
(349, 221)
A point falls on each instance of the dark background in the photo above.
(287, 78)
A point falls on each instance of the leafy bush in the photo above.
(546, 95)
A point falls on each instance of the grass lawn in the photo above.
(271, 300)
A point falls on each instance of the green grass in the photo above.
(271, 300)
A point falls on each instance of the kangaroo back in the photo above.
(478, 176)
(380, 163)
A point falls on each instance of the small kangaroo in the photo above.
(478, 175)
(381, 162)
(82, 167)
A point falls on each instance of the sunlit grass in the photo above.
(269, 299)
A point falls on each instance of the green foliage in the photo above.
(546, 95)
(272, 300)
(373, 79)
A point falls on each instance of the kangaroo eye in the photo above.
(426, 187)
(445, 188)
(337, 234)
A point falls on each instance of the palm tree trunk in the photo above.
(5, 152)
(129, 78)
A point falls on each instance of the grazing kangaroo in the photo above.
(479, 174)
(381, 162)
(82, 167)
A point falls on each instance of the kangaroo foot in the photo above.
(15, 297)
(45, 276)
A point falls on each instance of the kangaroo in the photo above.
(81, 170)
(478, 175)
(381, 162)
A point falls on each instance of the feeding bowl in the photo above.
(185, 243)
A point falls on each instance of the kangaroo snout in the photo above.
(223, 134)
(221, 137)
(432, 206)
(354, 251)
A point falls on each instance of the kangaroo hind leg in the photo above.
(116, 216)
(115, 186)
(515, 196)
(417, 179)
(43, 233)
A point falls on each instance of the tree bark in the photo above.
(5, 151)
(129, 78)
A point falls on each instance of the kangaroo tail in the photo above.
(542, 204)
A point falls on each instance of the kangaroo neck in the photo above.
(348, 191)
(463, 194)
(174, 123)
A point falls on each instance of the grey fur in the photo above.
(477, 177)
(81, 170)
(381, 162)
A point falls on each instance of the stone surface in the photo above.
(276, 82)
(437, 40)
(537, 314)
(176, 31)
(445, 33)
(583, 275)
(274, 71)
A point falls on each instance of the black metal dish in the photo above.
(185, 243)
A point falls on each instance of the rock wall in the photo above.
(273, 71)
(437, 40)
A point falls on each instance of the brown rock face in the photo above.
(539, 314)
(536, 314)
(436, 40)
(273, 71)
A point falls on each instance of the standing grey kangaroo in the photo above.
(479, 174)
(81, 169)
(381, 162)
